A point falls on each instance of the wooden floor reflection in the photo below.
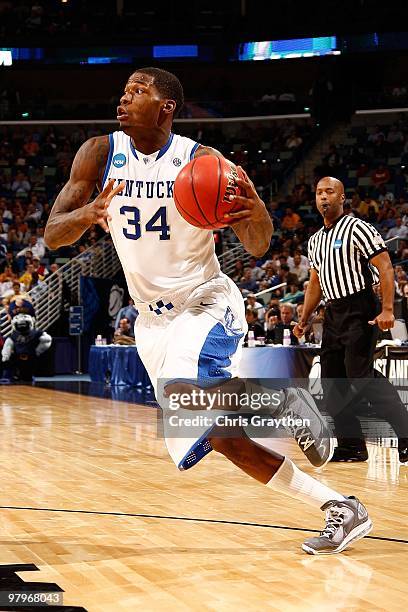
(131, 539)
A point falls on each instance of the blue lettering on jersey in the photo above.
(119, 160)
(146, 189)
(337, 243)
(229, 318)
(139, 185)
(149, 189)
(160, 185)
(170, 185)
(129, 187)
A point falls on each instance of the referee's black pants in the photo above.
(347, 370)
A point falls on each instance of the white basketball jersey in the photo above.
(160, 252)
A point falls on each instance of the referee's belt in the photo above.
(346, 298)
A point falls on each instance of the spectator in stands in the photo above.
(299, 267)
(399, 230)
(294, 295)
(238, 272)
(30, 147)
(20, 228)
(39, 267)
(27, 276)
(37, 286)
(251, 302)
(54, 267)
(284, 276)
(21, 186)
(276, 213)
(376, 134)
(291, 221)
(6, 282)
(401, 279)
(18, 289)
(380, 176)
(269, 277)
(248, 284)
(257, 272)
(124, 334)
(128, 312)
(304, 262)
(281, 259)
(275, 335)
(384, 210)
(366, 204)
(35, 247)
(332, 160)
(372, 216)
(383, 194)
(32, 215)
(388, 222)
(299, 309)
(254, 325)
(302, 191)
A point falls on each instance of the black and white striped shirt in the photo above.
(341, 256)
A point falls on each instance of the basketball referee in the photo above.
(347, 257)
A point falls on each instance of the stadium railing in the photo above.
(62, 288)
(230, 256)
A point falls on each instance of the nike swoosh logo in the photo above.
(203, 304)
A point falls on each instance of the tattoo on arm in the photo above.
(206, 151)
(64, 225)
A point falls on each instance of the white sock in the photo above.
(291, 481)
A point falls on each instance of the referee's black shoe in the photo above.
(403, 451)
(349, 454)
(313, 436)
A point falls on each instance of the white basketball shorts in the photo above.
(201, 338)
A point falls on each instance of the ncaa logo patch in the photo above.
(119, 160)
(177, 161)
(337, 243)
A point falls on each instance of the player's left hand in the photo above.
(252, 207)
(385, 320)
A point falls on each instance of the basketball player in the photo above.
(191, 317)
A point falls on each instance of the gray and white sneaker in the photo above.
(313, 437)
(346, 522)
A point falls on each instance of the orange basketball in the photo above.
(202, 190)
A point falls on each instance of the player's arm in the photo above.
(313, 296)
(385, 320)
(72, 213)
(252, 224)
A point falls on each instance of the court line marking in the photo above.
(186, 518)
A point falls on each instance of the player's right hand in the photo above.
(98, 208)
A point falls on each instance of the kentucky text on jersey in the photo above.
(160, 252)
(145, 189)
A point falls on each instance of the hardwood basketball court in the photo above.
(90, 497)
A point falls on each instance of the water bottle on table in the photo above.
(251, 339)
